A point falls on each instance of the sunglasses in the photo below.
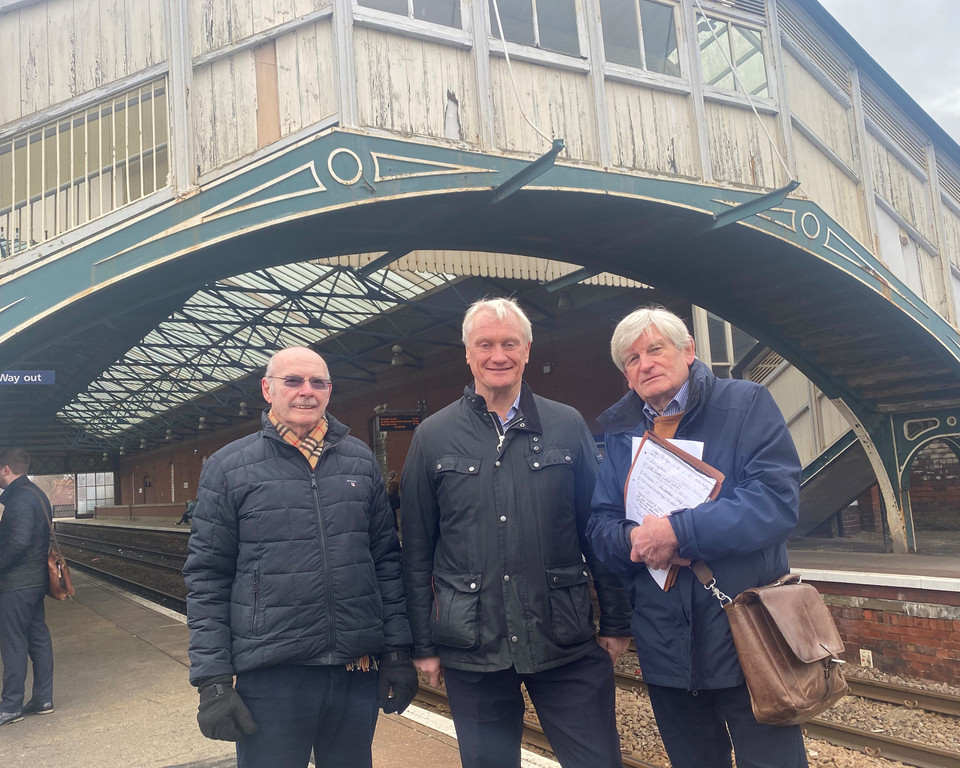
(295, 382)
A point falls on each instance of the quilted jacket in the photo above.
(288, 565)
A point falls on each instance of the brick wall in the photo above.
(910, 632)
(935, 489)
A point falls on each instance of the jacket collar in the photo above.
(336, 430)
(625, 414)
(528, 406)
(14, 484)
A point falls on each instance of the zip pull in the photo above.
(500, 442)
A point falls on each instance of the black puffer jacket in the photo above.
(24, 536)
(493, 538)
(288, 565)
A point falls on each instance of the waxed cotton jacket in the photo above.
(493, 538)
(24, 536)
(289, 565)
(682, 635)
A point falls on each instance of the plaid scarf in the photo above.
(310, 446)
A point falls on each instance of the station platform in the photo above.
(122, 698)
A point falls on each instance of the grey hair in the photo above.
(638, 322)
(502, 309)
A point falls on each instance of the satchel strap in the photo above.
(705, 575)
(45, 505)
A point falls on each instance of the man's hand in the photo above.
(430, 666)
(654, 542)
(397, 682)
(614, 646)
(222, 714)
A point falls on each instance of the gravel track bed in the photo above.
(640, 738)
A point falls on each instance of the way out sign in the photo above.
(28, 377)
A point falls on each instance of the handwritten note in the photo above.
(664, 479)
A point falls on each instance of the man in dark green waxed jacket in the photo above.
(496, 497)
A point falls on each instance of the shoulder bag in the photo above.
(788, 646)
(61, 582)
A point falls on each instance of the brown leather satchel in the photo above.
(61, 582)
(788, 646)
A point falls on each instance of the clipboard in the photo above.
(662, 479)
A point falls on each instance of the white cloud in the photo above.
(915, 41)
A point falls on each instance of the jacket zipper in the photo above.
(326, 561)
(501, 433)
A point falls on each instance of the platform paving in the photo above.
(122, 699)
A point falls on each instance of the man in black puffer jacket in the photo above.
(24, 543)
(294, 585)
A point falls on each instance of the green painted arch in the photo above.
(342, 192)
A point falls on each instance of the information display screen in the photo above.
(398, 422)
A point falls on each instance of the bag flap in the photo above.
(802, 618)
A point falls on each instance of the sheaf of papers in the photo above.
(660, 483)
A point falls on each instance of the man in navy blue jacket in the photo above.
(683, 638)
(24, 543)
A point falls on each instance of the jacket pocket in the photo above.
(255, 629)
(550, 457)
(461, 465)
(570, 610)
(455, 620)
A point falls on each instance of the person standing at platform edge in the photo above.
(683, 640)
(496, 496)
(294, 585)
(24, 544)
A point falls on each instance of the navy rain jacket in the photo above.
(682, 636)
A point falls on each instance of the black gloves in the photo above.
(222, 714)
(397, 676)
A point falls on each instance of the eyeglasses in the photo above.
(295, 382)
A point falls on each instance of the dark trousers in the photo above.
(297, 709)
(697, 726)
(23, 634)
(575, 704)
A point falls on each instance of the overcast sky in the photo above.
(917, 42)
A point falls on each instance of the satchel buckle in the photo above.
(712, 587)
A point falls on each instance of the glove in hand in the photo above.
(222, 714)
(397, 681)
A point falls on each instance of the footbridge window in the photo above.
(641, 34)
(732, 56)
(547, 24)
(59, 175)
(445, 12)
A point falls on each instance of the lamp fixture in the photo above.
(397, 358)
(565, 302)
(123, 451)
(243, 409)
(105, 456)
(169, 436)
(202, 423)
(143, 443)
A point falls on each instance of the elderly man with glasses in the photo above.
(293, 572)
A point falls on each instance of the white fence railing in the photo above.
(60, 175)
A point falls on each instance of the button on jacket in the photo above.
(289, 565)
(493, 526)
